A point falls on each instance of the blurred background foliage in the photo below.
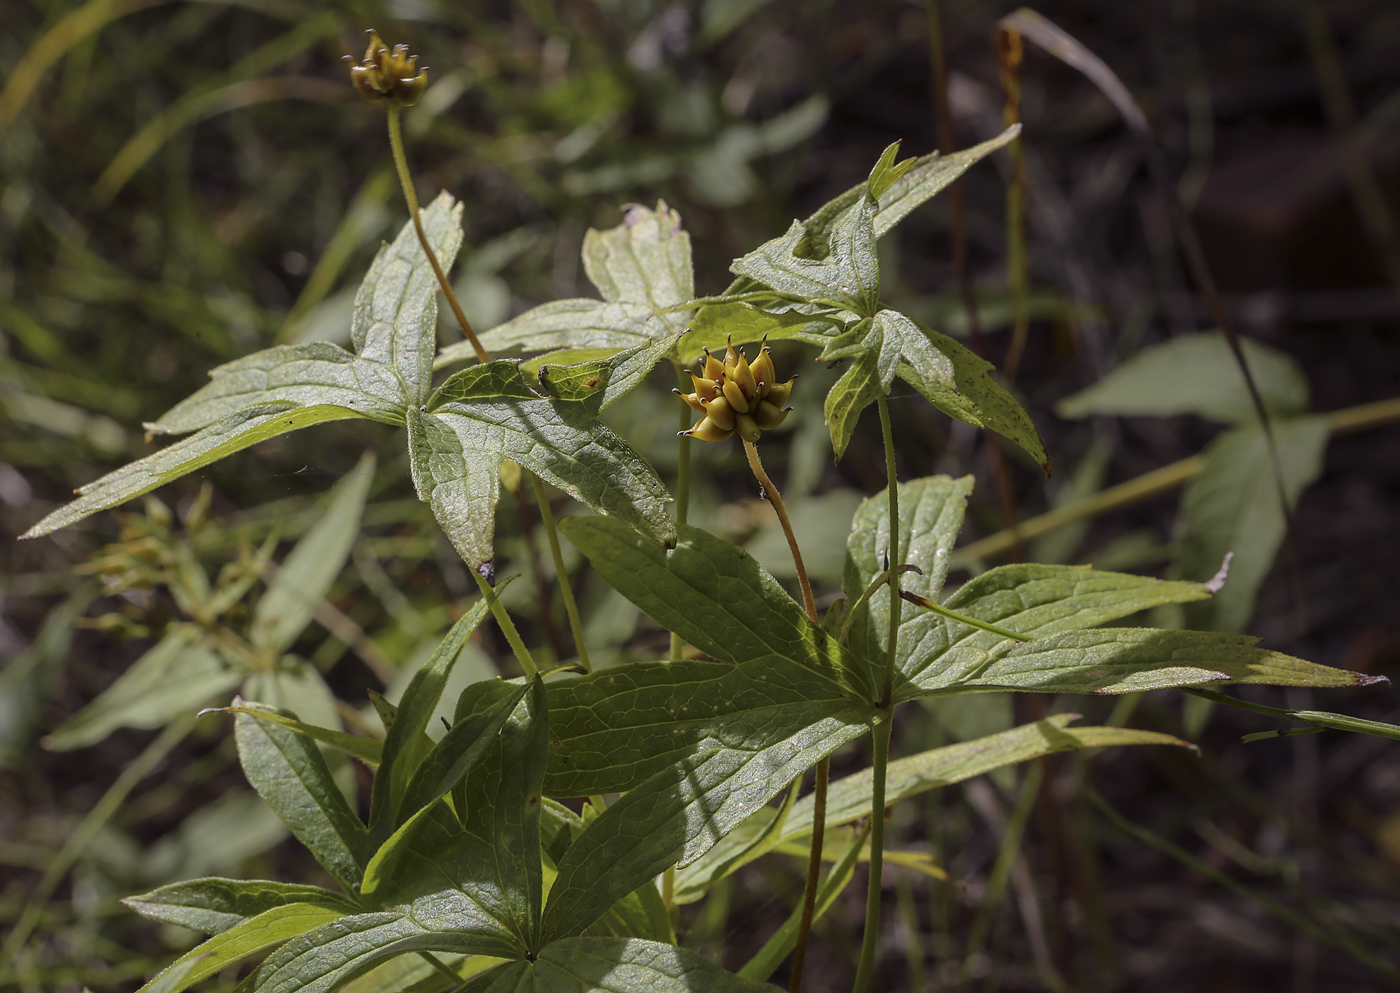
(187, 182)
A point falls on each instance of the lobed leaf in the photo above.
(715, 596)
(624, 965)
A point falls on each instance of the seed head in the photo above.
(388, 75)
(736, 395)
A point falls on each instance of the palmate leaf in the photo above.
(830, 260)
(488, 413)
(642, 268)
(216, 905)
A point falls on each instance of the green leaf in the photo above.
(716, 324)
(462, 747)
(415, 709)
(849, 799)
(601, 382)
(715, 596)
(1195, 374)
(231, 434)
(1033, 600)
(252, 937)
(316, 373)
(930, 175)
(767, 959)
(737, 759)
(930, 517)
(290, 773)
(886, 171)
(578, 323)
(623, 965)
(217, 905)
(306, 576)
(287, 388)
(642, 267)
(645, 259)
(367, 750)
(326, 958)
(974, 397)
(1125, 660)
(479, 418)
(176, 676)
(1233, 506)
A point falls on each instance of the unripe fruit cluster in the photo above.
(388, 75)
(736, 396)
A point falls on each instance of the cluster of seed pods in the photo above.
(388, 75)
(736, 396)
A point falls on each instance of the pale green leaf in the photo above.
(395, 319)
(930, 517)
(328, 957)
(231, 434)
(975, 397)
(602, 381)
(290, 773)
(718, 598)
(176, 676)
(252, 937)
(216, 905)
(1032, 600)
(886, 171)
(849, 799)
(576, 323)
(479, 418)
(306, 576)
(930, 175)
(716, 324)
(645, 259)
(1233, 506)
(1126, 660)
(1195, 374)
(308, 375)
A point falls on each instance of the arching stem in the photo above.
(406, 181)
(814, 858)
(570, 606)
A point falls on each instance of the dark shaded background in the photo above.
(116, 299)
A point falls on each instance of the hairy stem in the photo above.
(814, 858)
(406, 181)
(776, 499)
(498, 611)
(565, 590)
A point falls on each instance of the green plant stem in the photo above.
(498, 611)
(953, 615)
(88, 829)
(1149, 484)
(682, 492)
(814, 857)
(875, 585)
(565, 590)
(406, 181)
(880, 766)
(877, 855)
(776, 499)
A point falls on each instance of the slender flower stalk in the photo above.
(393, 77)
(735, 396)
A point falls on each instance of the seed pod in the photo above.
(736, 397)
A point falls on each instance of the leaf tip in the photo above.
(1364, 679)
